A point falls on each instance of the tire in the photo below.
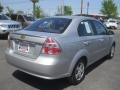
(3, 36)
(112, 52)
(78, 73)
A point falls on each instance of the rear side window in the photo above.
(84, 29)
(100, 29)
(50, 25)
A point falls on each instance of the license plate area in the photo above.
(23, 47)
(26, 48)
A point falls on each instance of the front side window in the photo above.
(84, 29)
(50, 25)
(100, 29)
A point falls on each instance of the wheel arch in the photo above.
(83, 55)
(84, 59)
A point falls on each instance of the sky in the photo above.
(50, 6)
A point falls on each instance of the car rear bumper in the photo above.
(38, 67)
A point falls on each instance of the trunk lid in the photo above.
(29, 43)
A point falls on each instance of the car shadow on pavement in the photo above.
(39, 83)
(43, 84)
(95, 65)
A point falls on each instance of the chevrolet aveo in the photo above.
(60, 46)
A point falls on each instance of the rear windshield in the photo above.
(50, 25)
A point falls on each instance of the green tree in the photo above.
(68, 10)
(39, 12)
(10, 11)
(1, 7)
(34, 5)
(109, 8)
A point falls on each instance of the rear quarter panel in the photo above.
(72, 48)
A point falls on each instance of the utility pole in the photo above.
(88, 4)
(62, 7)
(81, 7)
(34, 5)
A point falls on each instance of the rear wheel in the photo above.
(3, 36)
(78, 73)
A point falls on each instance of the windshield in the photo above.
(3, 17)
(50, 25)
(112, 21)
(29, 18)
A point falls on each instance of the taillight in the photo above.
(51, 47)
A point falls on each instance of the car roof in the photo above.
(74, 17)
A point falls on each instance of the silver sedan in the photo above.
(60, 46)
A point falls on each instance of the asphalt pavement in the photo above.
(103, 75)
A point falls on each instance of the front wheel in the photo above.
(78, 73)
(112, 52)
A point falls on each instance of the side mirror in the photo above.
(110, 32)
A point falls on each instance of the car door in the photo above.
(102, 38)
(88, 40)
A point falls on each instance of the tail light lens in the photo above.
(51, 47)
